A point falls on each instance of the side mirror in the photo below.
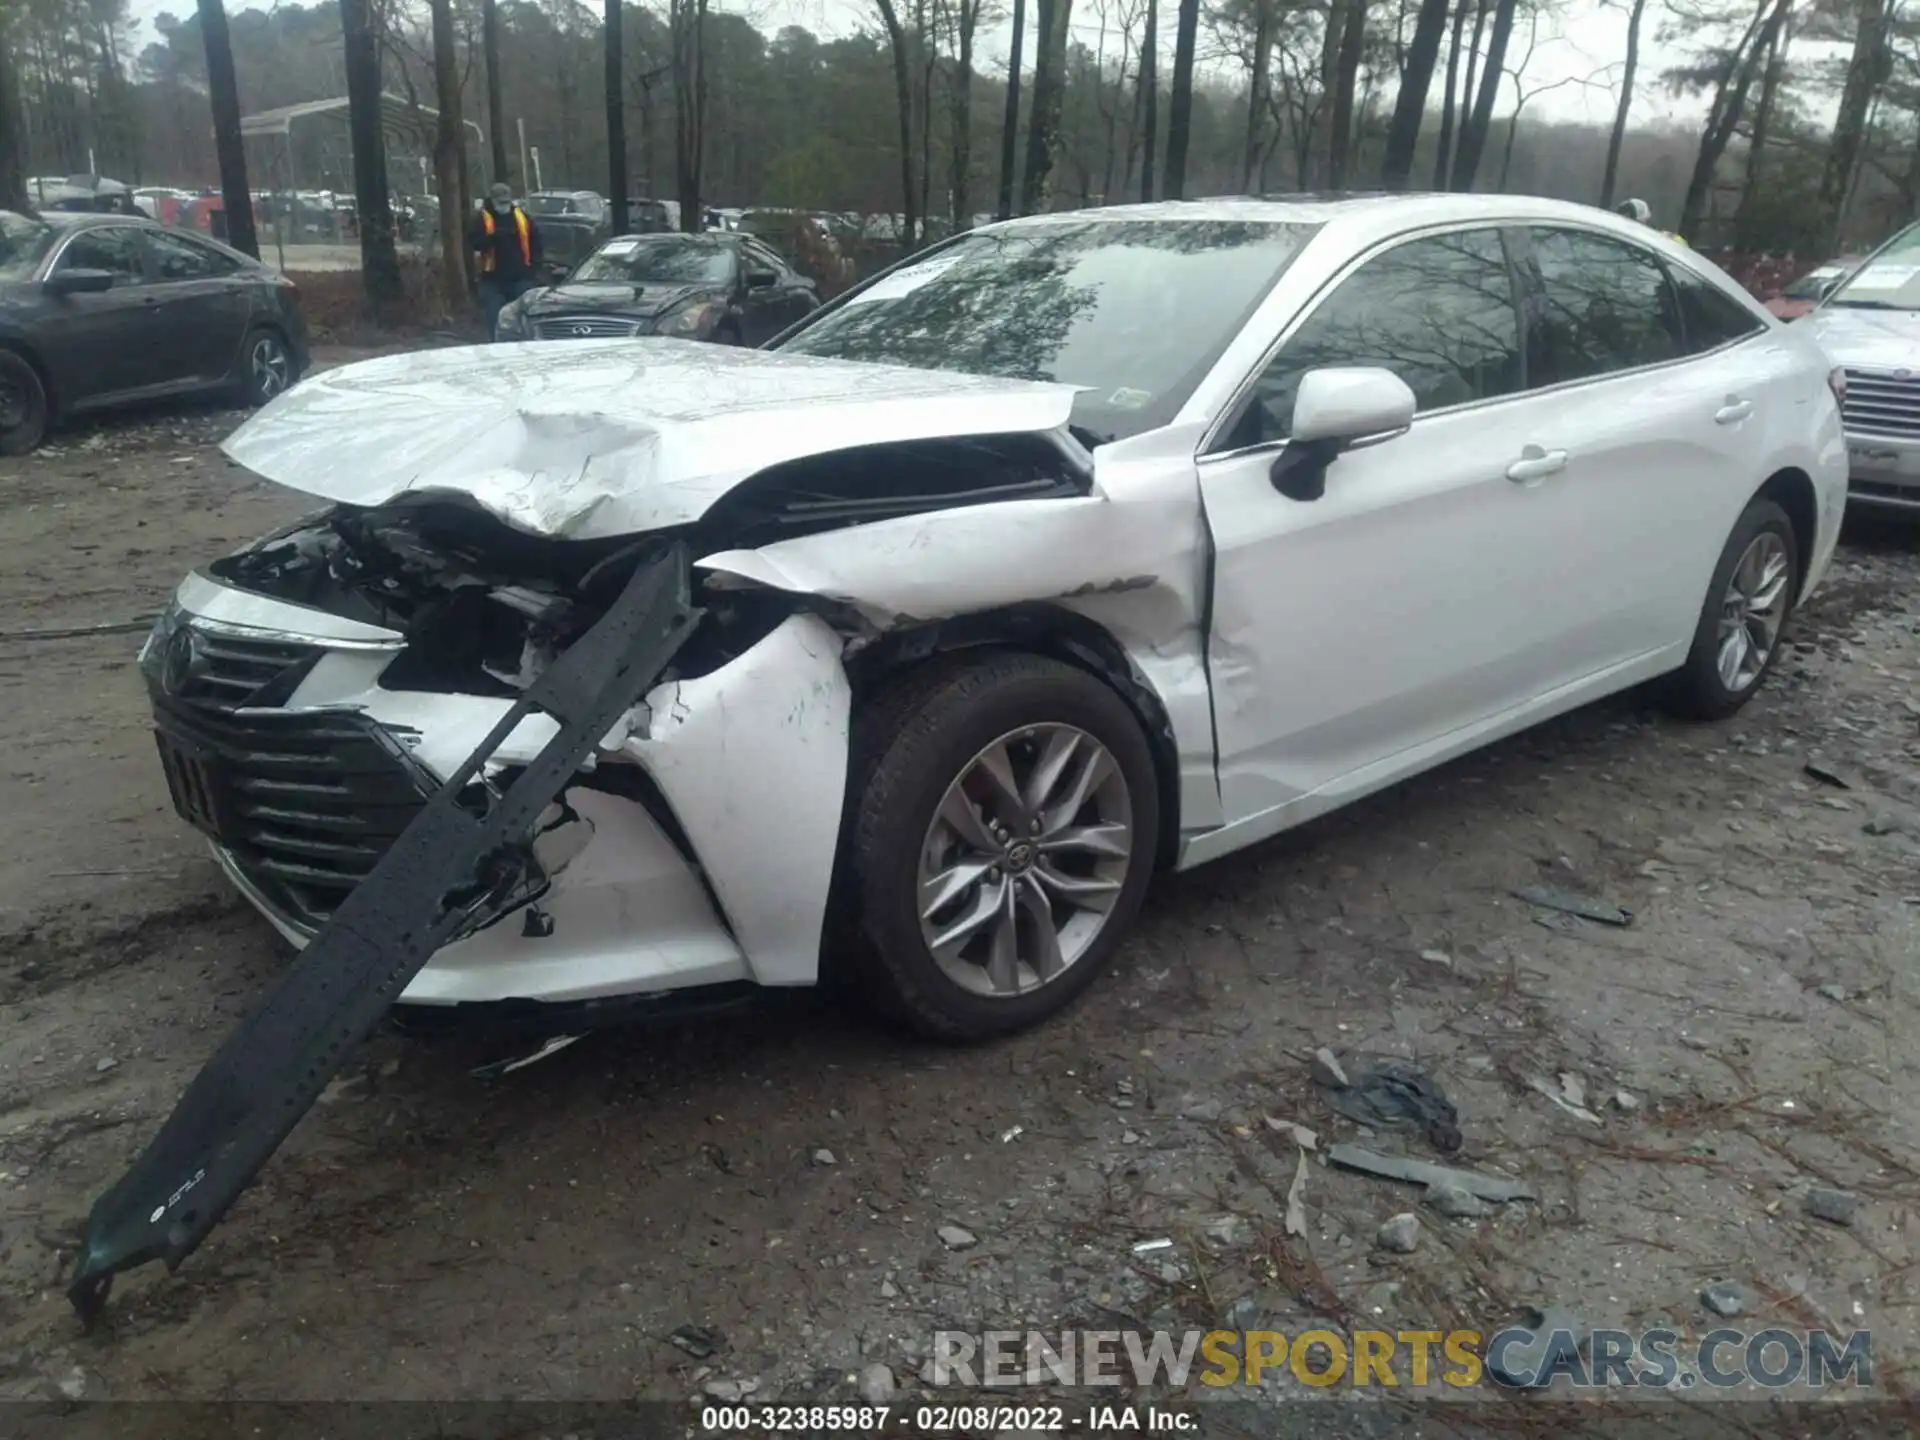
(78, 282)
(761, 279)
(1336, 409)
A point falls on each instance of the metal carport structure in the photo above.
(401, 120)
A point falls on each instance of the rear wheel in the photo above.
(1749, 602)
(267, 367)
(1004, 833)
(23, 405)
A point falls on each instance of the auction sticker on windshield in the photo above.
(907, 281)
(1885, 277)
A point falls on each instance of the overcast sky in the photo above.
(1584, 43)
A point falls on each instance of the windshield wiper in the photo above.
(1092, 439)
(1865, 305)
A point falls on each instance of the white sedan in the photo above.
(632, 675)
(1078, 547)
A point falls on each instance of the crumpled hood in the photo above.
(616, 297)
(601, 438)
(1869, 339)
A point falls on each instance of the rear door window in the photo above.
(1601, 306)
(1711, 317)
(178, 258)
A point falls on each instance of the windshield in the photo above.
(23, 244)
(1886, 281)
(673, 259)
(1135, 310)
(560, 205)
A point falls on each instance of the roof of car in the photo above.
(1319, 208)
(91, 217)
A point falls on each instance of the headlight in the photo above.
(692, 319)
(513, 315)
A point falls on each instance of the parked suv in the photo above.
(1869, 326)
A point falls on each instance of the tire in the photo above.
(23, 405)
(913, 747)
(268, 348)
(1764, 551)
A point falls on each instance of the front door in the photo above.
(1422, 593)
(108, 343)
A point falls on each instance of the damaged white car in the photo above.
(1075, 548)
(626, 674)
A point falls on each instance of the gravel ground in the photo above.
(426, 1235)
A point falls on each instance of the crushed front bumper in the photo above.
(696, 845)
(456, 869)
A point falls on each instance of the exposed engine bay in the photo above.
(486, 608)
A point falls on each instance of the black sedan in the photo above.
(728, 288)
(99, 310)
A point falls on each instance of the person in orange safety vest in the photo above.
(506, 243)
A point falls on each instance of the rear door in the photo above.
(204, 303)
(105, 345)
(1663, 447)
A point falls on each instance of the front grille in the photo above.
(212, 668)
(305, 802)
(585, 327)
(1881, 404)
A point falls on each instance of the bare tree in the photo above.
(1479, 120)
(1867, 71)
(1150, 97)
(964, 20)
(379, 262)
(687, 26)
(1180, 102)
(1410, 107)
(1618, 134)
(1345, 44)
(496, 112)
(1010, 125)
(613, 32)
(1049, 95)
(1746, 222)
(1443, 153)
(449, 156)
(1522, 95)
(1735, 75)
(1258, 84)
(223, 93)
(903, 102)
(13, 165)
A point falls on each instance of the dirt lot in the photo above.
(428, 1235)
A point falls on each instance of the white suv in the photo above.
(1869, 325)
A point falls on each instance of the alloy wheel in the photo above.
(1753, 610)
(271, 366)
(1024, 860)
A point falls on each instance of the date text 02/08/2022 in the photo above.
(939, 1419)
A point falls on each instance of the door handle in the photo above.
(1535, 464)
(1733, 412)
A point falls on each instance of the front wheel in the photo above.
(23, 405)
(1749, 601)
(1005, 826)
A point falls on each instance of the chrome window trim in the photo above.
(1221, 423)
